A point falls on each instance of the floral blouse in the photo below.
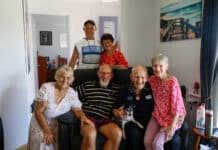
(168, 100)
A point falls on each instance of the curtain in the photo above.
(209, 56)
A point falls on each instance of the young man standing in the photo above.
(86, 53)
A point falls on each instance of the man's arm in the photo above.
(82, 117)
(74, 58)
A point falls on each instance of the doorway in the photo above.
(51, 43)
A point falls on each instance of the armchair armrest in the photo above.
(68, 128)
(67, 118)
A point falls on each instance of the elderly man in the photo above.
(98, 98)
(137, 96)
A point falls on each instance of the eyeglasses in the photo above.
(105, 73)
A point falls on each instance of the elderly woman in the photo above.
(138, 97)
(111, 55)
(53, 99)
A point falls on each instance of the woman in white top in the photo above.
(53, 99)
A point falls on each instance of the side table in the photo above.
(201, 135)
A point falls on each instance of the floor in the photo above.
(23, 147)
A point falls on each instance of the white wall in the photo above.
(57, 25)
(16, 86)
(90, 11)
(184, 56)
(137, 37)
(139, 33)
(77, 12)
(140, 41)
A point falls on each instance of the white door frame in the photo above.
(33, 34)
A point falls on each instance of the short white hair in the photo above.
(62, 70)
(160, 57)
(141, 67)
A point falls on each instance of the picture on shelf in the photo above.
(45, 38)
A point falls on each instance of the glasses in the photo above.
(105, 73)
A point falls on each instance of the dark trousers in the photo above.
(134, 137)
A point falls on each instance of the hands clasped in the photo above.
(169, 132)
(49, 137)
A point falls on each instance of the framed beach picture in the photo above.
(180, 19)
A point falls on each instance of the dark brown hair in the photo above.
(107, 36)
(89, 22)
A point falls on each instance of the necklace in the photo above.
(91, 47)
(137, 97)
(60, 95)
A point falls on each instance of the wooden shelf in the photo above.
(44, 74)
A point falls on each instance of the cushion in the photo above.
(67, 118)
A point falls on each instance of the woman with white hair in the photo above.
(53, 99)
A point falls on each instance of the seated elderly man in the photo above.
(98, 98)
(136, 96)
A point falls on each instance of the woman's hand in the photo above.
(40, 107)
(48, 137)
(181, 120)
(119, 67)
(169, 132)
(85, 121)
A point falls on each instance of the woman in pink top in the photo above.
(169, 110)
(111, 55)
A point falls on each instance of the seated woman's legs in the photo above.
(89, 137)
(150, 133)
(134, 137)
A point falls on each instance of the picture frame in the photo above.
(45, 37)
(180, 20)
(108, 24)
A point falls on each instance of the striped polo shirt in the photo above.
(98, 102)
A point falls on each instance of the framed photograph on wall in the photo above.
(180, 20)
(108, 24)
(45, 38)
